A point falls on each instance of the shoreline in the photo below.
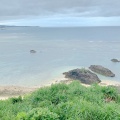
(15, 91)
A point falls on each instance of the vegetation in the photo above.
(64, 102)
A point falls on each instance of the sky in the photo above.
(60, 12)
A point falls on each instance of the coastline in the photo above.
(15, 91)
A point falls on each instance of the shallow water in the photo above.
(58, 50)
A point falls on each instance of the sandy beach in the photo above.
(15, 91)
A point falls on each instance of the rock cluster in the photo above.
(85, 76)
(115, 60)
(101, 70)
(32, 51)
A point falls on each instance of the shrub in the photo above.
(64, 102)
(41, 114)
(21, 116)
(16, 100)
(110, 92)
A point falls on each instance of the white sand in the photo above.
(15, 91)
(109, 82)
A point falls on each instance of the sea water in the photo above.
(57, 50)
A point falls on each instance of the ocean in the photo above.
(57, 50)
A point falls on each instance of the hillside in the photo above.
(64, 102)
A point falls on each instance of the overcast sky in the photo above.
(60, 12)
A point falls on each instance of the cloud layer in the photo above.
(92, 8)
(60, 12)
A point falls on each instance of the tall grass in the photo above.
(64, 102)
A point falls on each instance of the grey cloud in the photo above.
(70, 7)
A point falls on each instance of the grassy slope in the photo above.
(64, 102)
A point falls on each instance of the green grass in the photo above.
(64, 102)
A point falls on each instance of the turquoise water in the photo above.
(58, 50)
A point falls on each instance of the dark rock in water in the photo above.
(101, 70)
(32, 51)
(85, 76)
(115, 60)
